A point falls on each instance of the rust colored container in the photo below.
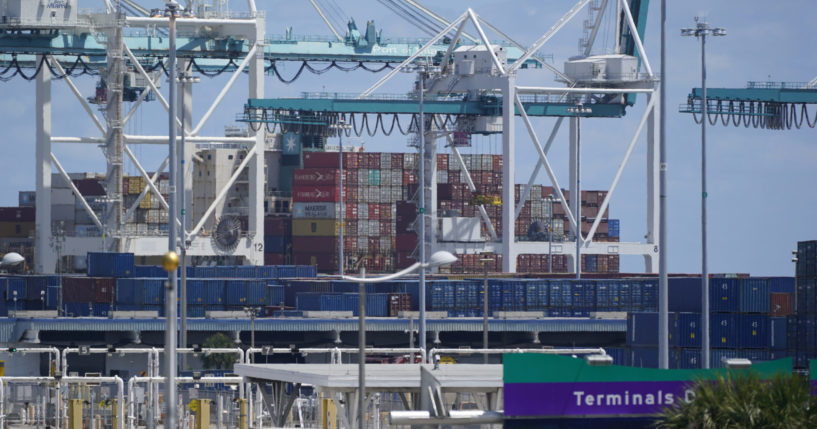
(385, 229)
(320, 159)
(442, 161)
(275, 225)
(274, 259)
(16, 214)
(399, 302)
(103, 290)
(326, 262)
(781, 304)
(374, 244)
(315, 194)
(310, 245)
(373, 160)
(315, 176)
(406, 242)
(351, 160)
(349, 244)
(374, 211)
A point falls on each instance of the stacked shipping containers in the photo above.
(743, 322)
(802, 326)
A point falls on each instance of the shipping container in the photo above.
(718, 357)
(724, 295)
(754, 295)
(778, 335)
(275, 243)
(781, 284)
(754, 332)
(318, 210)
(642, 329)
(275, 295)
(685, 294)
(109, 264)
(689, 359)
(214, 291)
(689, 330)
(279, 225)
(315, 194)
(321, 159)
(316, 228)
(723, 330)
(245, 292)
(316, 176)
(781, 304)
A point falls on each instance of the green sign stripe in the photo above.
(541, 368)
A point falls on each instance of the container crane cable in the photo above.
(14, 68)
(424, 24)
(359, 123)
(273, 69)
(757, 114)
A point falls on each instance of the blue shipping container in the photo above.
(275, 294)
(642, 329)
(213, 291)
(643, 357)
(77, 309)
(777, 328)
(306, 271)
(754, 295)
(308, 301)
(754, 331)
(689, 329)
(286, 271)
(689, 359)
(684, 294)
(723, 330)
(109, 264)
(781, 284)
(274, 244)
(225, 271)
(15, 288)
(724, 295)
(613, 227)
(245, 271)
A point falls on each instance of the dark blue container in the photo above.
(377, 304)
(724, 295)
(466, 295)
(806, 296)
(754, 331)
(532, 297)
(332, 302)
(636, 297)
(225, 271)
(77, 309)
(150, 271)
(604, 300)
(649, 295)
(125, 291)
(584, 294)
(613, 227)
(15, 287)
(274, 244)
(275, 294)
(195, 292)
(684, 294)
(245, 271)
(99, 309)
(781, 284)
(723, 329)
(590, 264)
(643, 357)
(51, 295)
(442, 295)
(757, 355)
(152, 291)
(213, 291)
(294, 287)
(561, 295)
(689, 330)
(777, 328)
(203, 272)
(624, 297)
(619, 355)
(754, 295)
(195, 311)
(265, 271)
(256, 292)
(109, 264)
(286, 271)
(235, 292)
(306, 271)
(128, 307)
(308, 301)
(642, 329)
(717, 357)
(689, 359)
(36, 286)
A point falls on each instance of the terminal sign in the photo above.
(549, 386)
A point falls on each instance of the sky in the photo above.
(761, 194)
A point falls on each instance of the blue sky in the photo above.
(760, 182)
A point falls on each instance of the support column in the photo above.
(45, 258)
(256, 174)
(653, 169)
(508, 173)
(573, 150)
(114, 147)
(186, 106)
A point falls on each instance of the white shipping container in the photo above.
(363, 176)
(396, 194)
(460, 229)
(410, 161)
(385, 160)
(363, 211)
(487, 162)
(442, 176)
(374, 228)
(384, 194)
(362, 228)
(142, 228)
(385, 177)
(373, 194)
(315, 210)
(385, 244)
(363, 244)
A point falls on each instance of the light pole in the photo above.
(341, 128)
(663, 289)
(439, 258)
(171, 259)
(701, 30)
(485, 261)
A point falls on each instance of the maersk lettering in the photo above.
(618, 399)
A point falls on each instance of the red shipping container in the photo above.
(781, 304)
(16, 214)
(351, 160)
(406, 242)
(351, 194)
(315, 176)
(274, 259)
(385, 211)
(351, 211)
(399, 302)
(397, 161)
(442, 161)
(310, 245)
(350, 227)
(373, 160)
(409, 178)
(404, 260)
(78, 289)
(315, 194)
(103, 290)
(320, 159)
(349, 244)
(277, 225)
(385, 229)
(374, 211)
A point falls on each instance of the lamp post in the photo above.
(439, 258)
(171, 260)
(422, 69)
(701, 30)
(340, 127)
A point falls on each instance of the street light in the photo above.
(437, 259)
(701, 30)
(172, 259)
(422, 69)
